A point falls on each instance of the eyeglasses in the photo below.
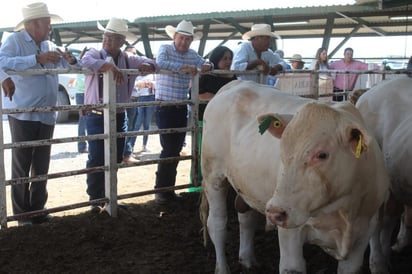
(112, 38)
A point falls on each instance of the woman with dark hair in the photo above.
(209, 85)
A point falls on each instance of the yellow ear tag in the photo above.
(358, 147)
(277, 124)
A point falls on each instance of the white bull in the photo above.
(317, 174)
(387, 111)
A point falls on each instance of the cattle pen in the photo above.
(111, 167)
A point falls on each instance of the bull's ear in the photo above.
(359, 141)
(275, 123)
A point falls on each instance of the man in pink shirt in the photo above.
(343, 81)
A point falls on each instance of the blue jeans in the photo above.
(144, 115)
(131, 126)
(81, 129)
(172, 143)
(95, 180)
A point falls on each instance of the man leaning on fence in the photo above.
(184, 62)
(29, 48)
(255, 55)
(114, 37)
(345, 82)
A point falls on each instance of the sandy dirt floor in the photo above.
(72, 189)
(145, 238)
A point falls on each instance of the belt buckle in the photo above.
(98, 112)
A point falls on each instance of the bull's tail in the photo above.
(204, 213)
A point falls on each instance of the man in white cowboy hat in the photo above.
(185, 62)
(30, 48)
(115, 35)
(296, 61)
(255, 54)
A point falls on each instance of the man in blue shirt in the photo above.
(30, 49)
(256, 55)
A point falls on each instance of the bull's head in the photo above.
(319, 147)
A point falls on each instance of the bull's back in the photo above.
(232, 146)
(387, 110)
(386, 105)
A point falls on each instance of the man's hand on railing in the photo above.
(8, 87)
(275, 69)
(118, 76)
(192, 70)
(258, 64)
(146, 68)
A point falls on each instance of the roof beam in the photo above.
(328, 31)
(361, 22)
(146, 40)
(344, 41)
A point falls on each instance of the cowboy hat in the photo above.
(118, 26)
(296, 58)
(259, 30)
(35, 11)
(185, 28)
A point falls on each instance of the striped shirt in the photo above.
(175, 86)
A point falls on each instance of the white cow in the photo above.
(387, 111)
(316, 173)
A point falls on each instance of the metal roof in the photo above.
(342, 21)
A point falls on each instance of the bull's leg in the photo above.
(377, 261)
(354, 260)
(247, 228)
(404, 237)
(216, 222)
(380, 241)
(291, 242)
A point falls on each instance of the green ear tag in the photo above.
(264, 125)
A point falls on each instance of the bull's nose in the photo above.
(277, 216)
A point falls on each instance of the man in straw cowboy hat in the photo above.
(296, 61)
(115, 35)
(176, 57)
(256, 55)
(31, 49)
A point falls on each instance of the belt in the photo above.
(340, 90)
(171, 106)
(100, 112)
(95, 111)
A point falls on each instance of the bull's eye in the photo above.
(323, 155)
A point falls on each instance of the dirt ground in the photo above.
(145, 238)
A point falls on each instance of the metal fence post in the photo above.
(3, 200)
(110, 143)
(193, 123)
